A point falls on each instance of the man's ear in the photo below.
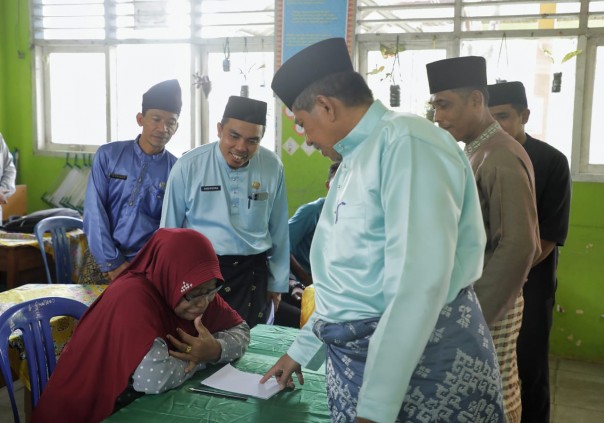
(477, 98)
(326, 105)
(525, 116)
(219, 129)
(139, 119)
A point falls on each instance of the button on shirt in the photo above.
(123, 202)
(242, 211)
(400, 235)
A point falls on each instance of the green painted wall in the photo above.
(3, 72)
(578, 330)
(305, 174)
(36, 171)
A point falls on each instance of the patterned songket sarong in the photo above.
(456, 380)
(505, 334)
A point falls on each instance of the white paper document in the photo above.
(232, 380)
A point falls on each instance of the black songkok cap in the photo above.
(163, 96)
(246, 109)
(457, 72)
(507, 93)
(309, 65)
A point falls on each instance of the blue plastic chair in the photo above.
(57, 226)
(32, 318)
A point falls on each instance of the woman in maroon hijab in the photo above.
(119, 349)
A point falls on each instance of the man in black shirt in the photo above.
(508, 104)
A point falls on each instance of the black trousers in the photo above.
(245, 286)
(533, 352)
(289, 312)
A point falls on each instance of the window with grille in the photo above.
(95, 59)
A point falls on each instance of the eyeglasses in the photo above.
(206, 295)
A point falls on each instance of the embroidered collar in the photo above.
(474, 145)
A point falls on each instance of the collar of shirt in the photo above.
(141, 154)
(474, 145)
(362, 130)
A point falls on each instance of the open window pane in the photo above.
(152, 19)
(408, 72)
(479, 15)
(252, 69)
(78, 105)
(596, 14)
(526, 60)
(596, 145)
(234, 18)
(409, 16)
(138, 67)
(68, 19)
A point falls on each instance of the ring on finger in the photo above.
(188, 349)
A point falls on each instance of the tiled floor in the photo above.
(577, 393)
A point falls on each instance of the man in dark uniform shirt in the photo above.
(508, 104)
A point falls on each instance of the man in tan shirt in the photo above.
(505, 180)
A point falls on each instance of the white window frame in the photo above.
(582, 169)
(587, 40)
(203, 127)
(41, 103)
(253, 35)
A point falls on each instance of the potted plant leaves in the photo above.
(395, 89)
(557, 76)
(245, 73)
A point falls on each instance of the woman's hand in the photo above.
(112, 274)
(202, 348)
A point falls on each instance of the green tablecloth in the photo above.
(307, 403)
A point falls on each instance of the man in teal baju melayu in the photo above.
(396, 250)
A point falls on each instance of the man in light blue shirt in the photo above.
(8, 174)
(398, 245)
(233, 192)
(126, 185)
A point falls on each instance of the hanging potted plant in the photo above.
(395, 89)
(557, 77)
(245, 73)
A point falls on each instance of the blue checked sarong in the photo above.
(456, 380)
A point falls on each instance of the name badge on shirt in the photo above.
(118, 176)
(211, 188)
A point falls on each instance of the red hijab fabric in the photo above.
(119, 328)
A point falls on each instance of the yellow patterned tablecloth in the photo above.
(77, 246)
(62, 327)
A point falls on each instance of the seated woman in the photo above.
(120, 345)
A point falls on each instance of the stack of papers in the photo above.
(231, 379)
